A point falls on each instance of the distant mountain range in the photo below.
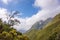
(23, 31)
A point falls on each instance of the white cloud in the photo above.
(47, 3)
(3, 14)
(9, 1)
(6, 1)
(49, 8)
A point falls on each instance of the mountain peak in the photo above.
(40, 24)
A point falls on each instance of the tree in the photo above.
(12, 22)
(9, 33)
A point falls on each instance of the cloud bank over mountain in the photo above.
(49, 8)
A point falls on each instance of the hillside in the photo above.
(9, 33)
(50, 32)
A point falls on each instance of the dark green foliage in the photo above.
(53, 36)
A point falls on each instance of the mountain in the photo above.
(22, 30)
(40, 24)
(50, 31)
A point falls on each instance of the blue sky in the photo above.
(23, 6)
(31, 11)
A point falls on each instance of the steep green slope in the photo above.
(50, 32)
